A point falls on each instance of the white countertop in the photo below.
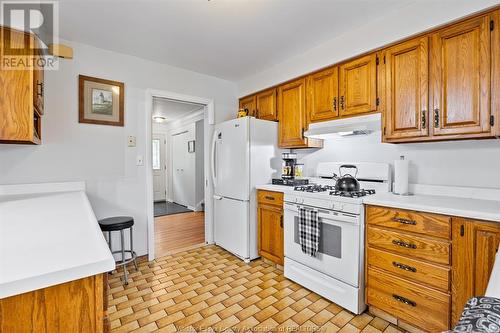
(48, 239)
(275, 188)
(488, 210)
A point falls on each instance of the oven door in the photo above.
(339, 243)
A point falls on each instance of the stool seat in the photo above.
(116, 223)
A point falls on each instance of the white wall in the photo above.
(417, 17)
(99, 154)
(473, 163)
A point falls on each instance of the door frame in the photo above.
(209, 117)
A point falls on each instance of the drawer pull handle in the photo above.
(404, 267)
(269, 197)
(404, 221)
(404, 300)
(404, 244)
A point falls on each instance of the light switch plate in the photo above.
(131, 141)
(140, 160)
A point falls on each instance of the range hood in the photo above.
(358, 125)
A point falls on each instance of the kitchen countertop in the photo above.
(488, 210)
(275, 188)
(48, 239)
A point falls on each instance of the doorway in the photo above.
(178, 174)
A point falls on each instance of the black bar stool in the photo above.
(120, 223)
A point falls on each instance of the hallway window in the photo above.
(156, 154)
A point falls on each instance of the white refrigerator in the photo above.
(244, 154)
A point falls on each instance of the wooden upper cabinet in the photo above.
(406, 89)
(291, 111)
(249, 103)
(495, 70)
(20, 106)
(38, 85)
(292, 116)
(358, 86)
(266, 105)
(460, 78)
(322, 95)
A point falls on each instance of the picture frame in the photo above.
(191, 146)
(100, 101)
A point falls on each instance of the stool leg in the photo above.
(109, 241)
(132, 253)
(123, 257)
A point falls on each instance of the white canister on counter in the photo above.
(401, 169)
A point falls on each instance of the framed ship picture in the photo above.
(100, 101)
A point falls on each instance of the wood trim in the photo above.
(383, 47)
(81, 116)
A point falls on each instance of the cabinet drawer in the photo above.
(411, 302)
(410, 245)
(270, 197)
(422, 223)
(416, 270)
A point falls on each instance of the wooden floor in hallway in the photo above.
(207, 289)
(178, 231)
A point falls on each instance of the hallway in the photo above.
(178, 231)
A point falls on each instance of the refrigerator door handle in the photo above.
(214, 164)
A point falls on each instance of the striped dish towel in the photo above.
(308, 231)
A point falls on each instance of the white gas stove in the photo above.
(336, 272)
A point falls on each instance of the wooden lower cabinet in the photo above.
(408, 264)
(422, 268)
(75, 306)
(475, 244)
(270, 226)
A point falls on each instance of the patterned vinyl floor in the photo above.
(209, 290)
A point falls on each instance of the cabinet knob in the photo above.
(342, 102)
(335, 104)
(436, 117)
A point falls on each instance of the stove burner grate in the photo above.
(314, 188)
(353, 194)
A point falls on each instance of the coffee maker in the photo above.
(291, 174)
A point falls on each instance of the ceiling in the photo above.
(230, 39)
(173, 110)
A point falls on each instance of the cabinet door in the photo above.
(460, 78)
(322, 95)
(38, 78)
(248, 103)
(407, 89)
(474, 246)
(271, 233)
(291, 112)
(266, 105)
(358, 86)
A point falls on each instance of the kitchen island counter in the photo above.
(48, 238)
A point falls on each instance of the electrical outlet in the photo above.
(131, 141)
(140, 160)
